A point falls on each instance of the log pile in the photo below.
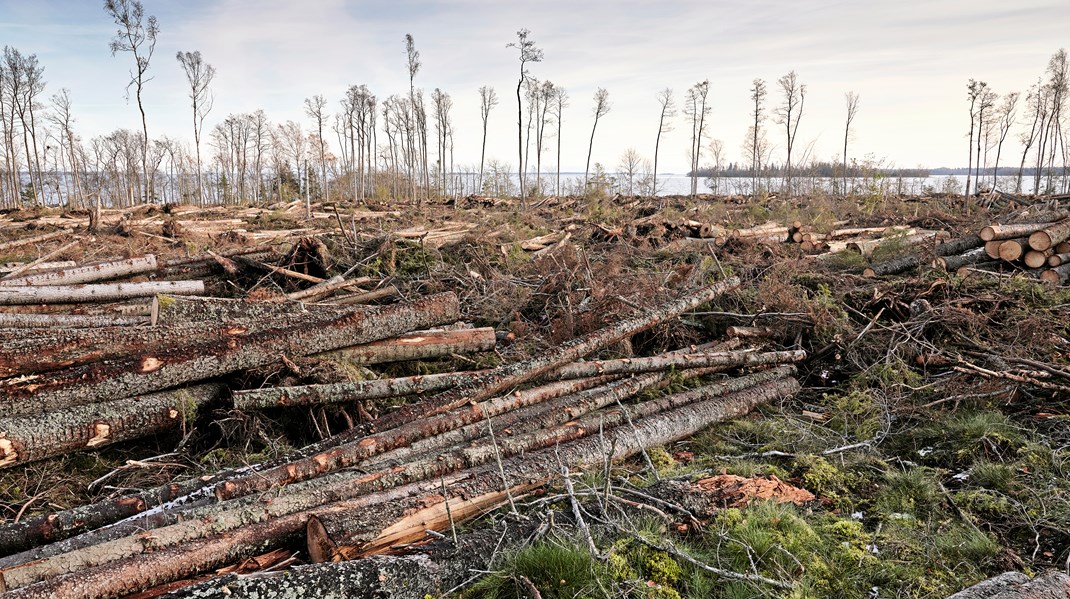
(1039, 249)
(464, 443)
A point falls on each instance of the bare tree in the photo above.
(697, 110)
(1057, 88)
(199, 74)
(1036, 104)
(137, 36)
(442, 104)
(488, 99)
(717, 151)
(985, 101)
(789, 113)
(1006, 116)
(419, 116)
(852, 99)
(546, 94)
(24, 84)
(758, 93)
(528, 53)
(668, 112)
(560, 102)
(629, 167)
(63, 119)
(974, 91)
(314, 110)
(601, 107)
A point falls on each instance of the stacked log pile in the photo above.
(137, 354)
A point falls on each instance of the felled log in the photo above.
(1056, 275)
(155, 369)
(1035, 259)
(99, 292)
(184, 549)
(87, 274)
(997, 232)
(506, 377)
(286, 272)
(1049, 237)
(1058, 259)
(44, 321)
(419, 345)
(42, 259)
(953, 263)
(396, 387)
(28, 438)
(1012, 249)
(10, 245)
(326, 288)
(13, 266)
(368, 297)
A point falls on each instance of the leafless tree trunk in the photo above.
(758, 93)
(528, 53)
(137, 36)
(852, 110)
(789, 114)
(199, 74)
(668, 112)
(314, 109)
(601, 107)
(1007, 113)
(986, 100)
(560, 102)
(974, 89)
(487, 101)
(698, 109)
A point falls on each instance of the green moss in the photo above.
(854, 414)
(839, 487)
(914, 491)
(557, 571)
(661, 459)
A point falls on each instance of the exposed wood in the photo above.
(11, 266)
(156, 369)
(1012, 249)
(293, 274)
(1058, 259)
(419, 345)
(25, 439)
(97, 292)
(326, 288)
(1035, 259)
(1056, 275)
(996, 232)
(86, 274)
(1051, 236)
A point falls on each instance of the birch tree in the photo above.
(199, 75)
(601, 107)
(136, 35)
(852, 101)
(789, 113)
(1006, 118)
(668, 112)
(758, 93)
(488, 99)
(528, 53)
(697, 111)
(314, 107)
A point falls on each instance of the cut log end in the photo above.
(1040, 241)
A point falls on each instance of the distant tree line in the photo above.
(401, 147)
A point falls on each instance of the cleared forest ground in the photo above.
(924, 448)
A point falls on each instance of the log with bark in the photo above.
(1056, 275)
(47, 321)
(87, 274)
(396, 387)
(1051, 236)
(99, 292)
(1015, 585)
(28, 438)
(187, 548)
(156, 369)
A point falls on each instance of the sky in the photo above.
(909, 60)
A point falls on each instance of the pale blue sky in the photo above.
(908, 59)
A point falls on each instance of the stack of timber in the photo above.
(464, 443)
(1039, 249)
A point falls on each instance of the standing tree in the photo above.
(852, 110)
(758, 93)
(488, 99)
(560, 102)
(697, 110)
(25, 83)
(789, 114)
(528, 53)
(443, 131)
(629, 168)
(1006, 116)
(137, 36)
(986, 100)
(419, 114)
(974, 90)
(601, 107)
(668, 111)
(63, 119)
(1036, 104)
(314, 109)
(199, 74)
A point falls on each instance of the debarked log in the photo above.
(88, 273)
(95, 292)
(197, 545)
(419, 345)
(28, 438)
(153, 370)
